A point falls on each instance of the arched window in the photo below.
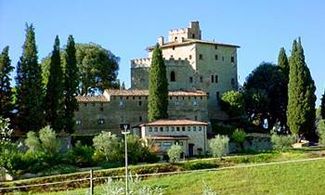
(172, 76)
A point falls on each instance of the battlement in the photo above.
(140, 62)
(191, 32)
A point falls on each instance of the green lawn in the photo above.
(289, 178)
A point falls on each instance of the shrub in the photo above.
(107, 147)
(219, 146)
(80, 155)
(174, 153)
(321, 131)
(282, 142)
(199, 165)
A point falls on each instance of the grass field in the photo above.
(288, 178)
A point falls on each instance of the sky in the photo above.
(126, 28)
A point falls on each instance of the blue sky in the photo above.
(128, 27)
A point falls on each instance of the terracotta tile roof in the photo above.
(192, 41)
(168, 122)
(91, 99)
(137, 92)
(168, 137)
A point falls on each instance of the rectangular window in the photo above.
(140, 103)
(216, 47)
(101, 108)
(216, 57)
(140, 118)
(190, 57)
(208, 95)
(194, 128)
(200, 56)
(161, 129)
(216, 78)
(150, 129)
(212, 78)
(232, 59)
(177, 129)
(218, 95)
(201, 79)
(191, 79)
(233, 81)
(183, 128)
(156, 129)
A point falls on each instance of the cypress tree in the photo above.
(322, 106)
(29, 94)
(158, 87)
(71, 80)
(301, 101)
(5, 88)
(54, 90)
(283, 64)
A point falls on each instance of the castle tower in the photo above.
(193, 64)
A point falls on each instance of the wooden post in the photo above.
(91, 186)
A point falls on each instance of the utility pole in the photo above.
(125, 133)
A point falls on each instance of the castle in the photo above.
(198, 73)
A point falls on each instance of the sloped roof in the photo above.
(137, 92)
(178, 122)
(91, 98)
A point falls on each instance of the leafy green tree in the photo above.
(233, 103)
(5, 88)
(301, 102)
(30, 90)
(283, 63)
(239, 137)
(264, 94)
(158, 87)
(322, 106)
(54, 98)
(71, 81)
(219, 146)
(321, 131)
(107, 146)
(174, 153)
(98, 68)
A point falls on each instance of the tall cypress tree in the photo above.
(158, 87)
(301, 102)
(283, 64)
(71, 80)
(30, 92)
(322, 106)
(54, 99)
(5, 88)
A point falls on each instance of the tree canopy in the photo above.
(6, 105)
(29, 86)
(233, 103)
(301, 98)
(158, 87)
(264, 93)
(322, 106)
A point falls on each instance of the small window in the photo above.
(212, 78)
(167, 129)
(193, 36)
(78, 122)
(133, 97)
(175, 38)
(156, 129)
(216, 78)
(140, 103)
(173, 47)
(232, 59)
(218, 95)
(191, 79)
(121, 103)
(223, 58)
(121, 98)
(173, 129)
(194, 128)
(127, 97)
(172, 76)
(216, 57)
(101, 108)
(139, 97)
(216, 47)
(200, 56)
(183, 128)
(200, 128)
(201, 79)
(188, 128)
(167, 144)
(194, 103)
(161, 129)
(190, 57)
(208, 95)
(85, 104)
(232, 81)
(101, 121)
(150, 129)
(195, 118)
(170, 97)
(177, 129)
(140, 118)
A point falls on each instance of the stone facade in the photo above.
(191, 135)
(115, 107)
(193, 64)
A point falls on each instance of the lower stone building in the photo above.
(115, 107)
(190, 134)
